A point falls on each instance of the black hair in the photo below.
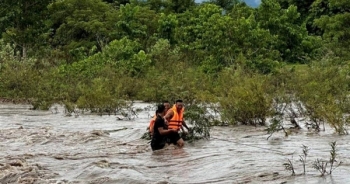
(160, 108)
(178, 101)
(165, 101)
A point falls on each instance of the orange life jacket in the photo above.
(151, 124)
(176, 121)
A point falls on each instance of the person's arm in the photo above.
(169, 115)
(162, 131)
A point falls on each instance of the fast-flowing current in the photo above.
(50, 147)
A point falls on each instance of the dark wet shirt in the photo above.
(158, 141)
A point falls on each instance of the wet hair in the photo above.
(178, 101)
(160, 108)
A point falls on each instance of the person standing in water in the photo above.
(175, 121)
(160, 131)
(151, 124)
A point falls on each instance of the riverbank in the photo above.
(14, 101)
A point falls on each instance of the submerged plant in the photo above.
(289, 167)
(284, 108)
(321, 165)
(332, 160)
(200, 120)
(303, 157)
(275, 126)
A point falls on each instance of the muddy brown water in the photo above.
(49, 147)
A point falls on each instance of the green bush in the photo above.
(323, 89)
(243, 97)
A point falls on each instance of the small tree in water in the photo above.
(289, 167)
(303, 157)
(200, 119)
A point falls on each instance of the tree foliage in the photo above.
(78, 26)
(22, 23)
(93, 54)
(335, 26)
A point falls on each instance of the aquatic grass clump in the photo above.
(289, 166)
(321, 165)
(332, 163)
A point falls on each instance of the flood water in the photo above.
(49, 147)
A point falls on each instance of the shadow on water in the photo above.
(46, 147)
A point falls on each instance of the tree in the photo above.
(226, 5)
(335, 26)
(241, 10)
(80, 25)
(167, 26)
(302, 6)
(157, 5)
(138, 23)
(117, 3)
(22, 23)
(213, 40)
(179, 6)
(285, 24)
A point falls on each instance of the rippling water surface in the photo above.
(49, 147)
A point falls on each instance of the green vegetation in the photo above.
(321, 165)
(278, 60)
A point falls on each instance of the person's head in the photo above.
(167, 105)
(179, 104)
(161, 110)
